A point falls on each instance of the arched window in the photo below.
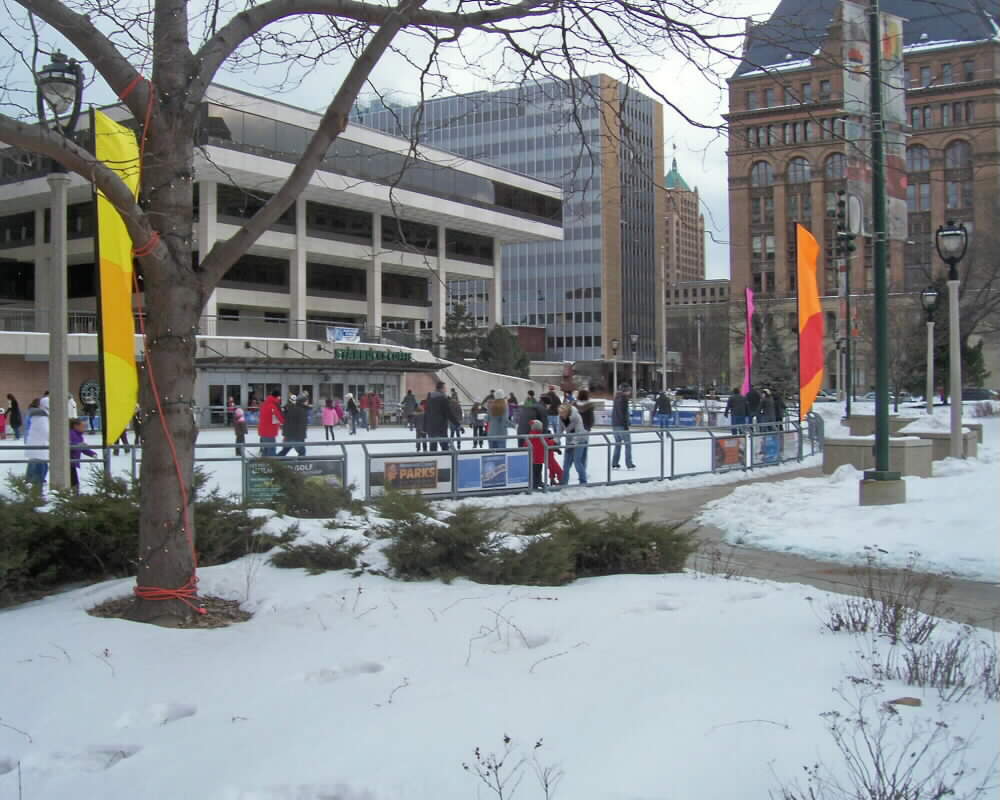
(799, 171)
(958, 155)
(835, 167)
(918, 159)
(761, 174)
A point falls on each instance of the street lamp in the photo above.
(59, 90)
(951, 241)
(929, 300)
(633, 339)
(615, 344)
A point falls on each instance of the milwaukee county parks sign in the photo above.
(372, 355)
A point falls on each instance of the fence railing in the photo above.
(28, 319)
(467, 466)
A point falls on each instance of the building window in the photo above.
(925, 76)
(835, 166)
(762, 174)
(276, 317)
(958, 194)
(825, 90)
(969, 70)
(958, 155)
(970, 110)
(751, 99)
(918, 158)
(789, 96)
(798, 171)
(807, 92)
(945, 115)
(946, 76)
(769, 98)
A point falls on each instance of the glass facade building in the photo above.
(603, 143)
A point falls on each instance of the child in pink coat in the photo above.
(330, 418)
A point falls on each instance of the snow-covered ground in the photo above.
(949, 521)
(639, 687)
(364, 688)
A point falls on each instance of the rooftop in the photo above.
(797, 28)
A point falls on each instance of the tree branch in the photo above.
(78, 160)
(224, 254)
(223, 44)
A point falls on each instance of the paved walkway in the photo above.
(972, 602)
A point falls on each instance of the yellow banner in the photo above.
(115, 145)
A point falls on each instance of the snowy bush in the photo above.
(89, 537)
(308, 498)
(319, 557)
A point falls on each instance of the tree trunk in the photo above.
(174, 292)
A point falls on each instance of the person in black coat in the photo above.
(539, 411)
(736, 410)
(753, 404)
(294, 429)
(438, 415)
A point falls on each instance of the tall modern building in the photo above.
(603, 143)
(794, 144)
(684, 231)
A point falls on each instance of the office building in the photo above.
(684, 231)
(368, 248)
(603, 143)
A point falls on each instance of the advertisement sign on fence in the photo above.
(767, 448)
(687, 419)
(477, 471)
(260, 486)
(427, 474)
(729, 452)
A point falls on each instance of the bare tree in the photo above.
(160, 59)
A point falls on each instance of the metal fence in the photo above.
(466, 466)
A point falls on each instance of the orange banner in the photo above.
(115, 145)
(810, 321)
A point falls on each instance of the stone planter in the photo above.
(907, 455)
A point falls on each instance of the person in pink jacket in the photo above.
(330, 418)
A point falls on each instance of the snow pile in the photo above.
(950, 520)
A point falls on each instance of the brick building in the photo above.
(790, 149)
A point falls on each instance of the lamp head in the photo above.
(633, 339)
(929, 299)
(60, 88)
(614, 346)
(951, 241)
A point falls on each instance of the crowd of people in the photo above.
(754, 409)
(33, 426)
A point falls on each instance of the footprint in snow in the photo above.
(97, 758)
(331, 674)
(157, 714)
(740, 597)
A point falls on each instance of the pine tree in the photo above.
(502, 353)
(462, 339)
(771, 365)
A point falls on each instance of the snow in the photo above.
(371, 688)
(949, 521)
(366, 688)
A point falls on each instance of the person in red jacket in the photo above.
(365, 403)
(537, 444)
(271, 420)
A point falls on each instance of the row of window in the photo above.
(558, 342)
(923, 75)
(957, 155)
(958, 194)
(701, 291)
(943, 115)
(230, 127)
(763, 136)
(769, 96)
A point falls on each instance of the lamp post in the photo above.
(633, 340)
(951, 241)
(698, 319)
(615, 344)
(59, 90)
(929, 300)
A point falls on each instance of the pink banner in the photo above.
(748, 344)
